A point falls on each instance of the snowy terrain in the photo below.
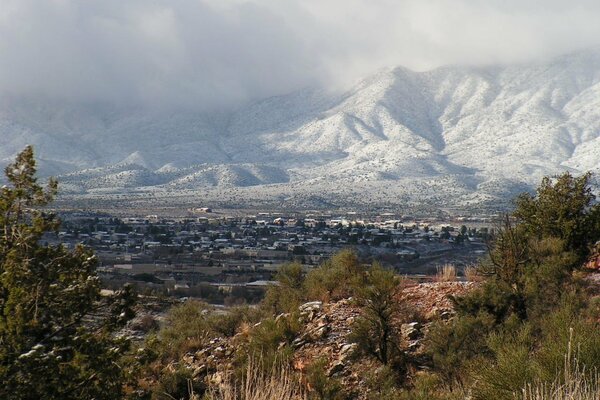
(454, 135)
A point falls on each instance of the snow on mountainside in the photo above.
(465, 133)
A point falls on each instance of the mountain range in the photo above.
(457, 135)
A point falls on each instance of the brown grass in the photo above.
(471, 273)
(576, 383)
(279, 383)
(446, 273)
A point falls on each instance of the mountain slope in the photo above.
(460, 135)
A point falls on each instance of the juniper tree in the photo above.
(375, 331)
(56, 330)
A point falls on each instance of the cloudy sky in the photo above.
(212, 53)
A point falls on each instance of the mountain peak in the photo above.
(397, 133)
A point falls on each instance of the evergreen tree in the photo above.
(56, 330)
(563, 207)
(374, 331)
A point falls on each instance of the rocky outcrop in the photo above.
(324, 332)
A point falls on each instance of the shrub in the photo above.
(534, 351)
(427, 386)
(177, 384)
(336, 278)
(146, 323)
(278, 382)
(509, 369)
(375, 330)
(229, 322)
(58, 335)
(288, 294)
(268, 343)
(186, 328)
(383, 384)
(471, 273)
(323, 387)
(577, 383)
(451, 345)
(446, 273)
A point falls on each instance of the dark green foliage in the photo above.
(508, 369)
(562, 208)
(515, 328)
(535, 251)
(383, 384)
(288, 294)
(450, 345)
(186, 328)
(375, 330)
(494, 299)
(228, 324)
(268, 344)
(177, 384)
(535, 351)
(55, 328)
(322, 386)
(336, 278)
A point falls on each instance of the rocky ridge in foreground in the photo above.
(324, 335)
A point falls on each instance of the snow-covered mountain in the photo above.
(461, 135)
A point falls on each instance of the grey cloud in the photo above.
(213, 53)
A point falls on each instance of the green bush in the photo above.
(186, 328)
(177, 384)
(336, 278)
(375, 331)
(322, 386)
(427, 386)
(535, 351)
(510, 367)
(451, 345)
(229, 322)
(268, 343)
(288, 294)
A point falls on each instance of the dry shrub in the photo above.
(576, 383)
(446, 273)
(472, 274)
(279, 383)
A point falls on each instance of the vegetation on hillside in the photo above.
(529, 330)
(56, 330)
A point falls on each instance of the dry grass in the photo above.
(471, 273)
(280, 383)
(576, 384)
(446, 273)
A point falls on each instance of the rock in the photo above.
(199, 370)
(188, 358)
(336, 368)
(298, 342)
(411, 331)
(414, 345)
(219, 352)
(346, 351)
(311, 306)
(308, 311)
(320, 332)
(281, 316)
(217, 378)
(323, 320)
(446, 315)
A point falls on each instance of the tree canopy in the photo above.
(56, 330)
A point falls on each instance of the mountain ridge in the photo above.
(478, 127)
